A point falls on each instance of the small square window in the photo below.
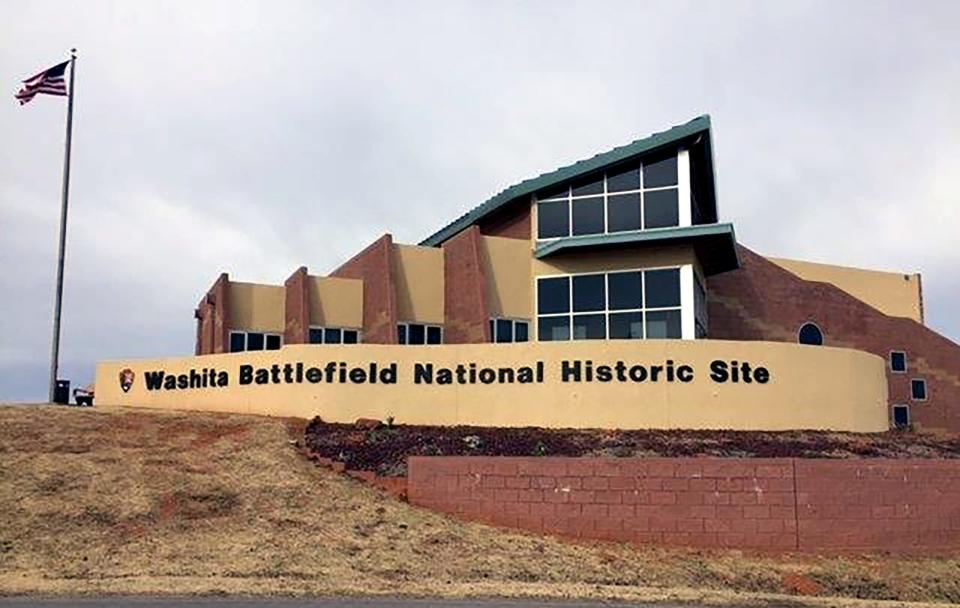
(901, 416)
(504, 331)
(918, 389)
(553, 295)
(553, 328)
(434, 335)
(316, 335)
(332, 336)
(520, 331)
(416, 334)
(254, 341)
(898, 361)
(553, 219)
(238, 342)
(351, 336)
(273, 342)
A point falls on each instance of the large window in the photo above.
(635, 304)
(333, 335)
(509, 330)
(634, 197)
(241, 341)
(418, 333)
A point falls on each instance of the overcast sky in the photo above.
(255, 137)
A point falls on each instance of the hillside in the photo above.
(137, 501)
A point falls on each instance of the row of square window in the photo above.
(627, 290)
(656, 174)
(635, 198)
(599, 215)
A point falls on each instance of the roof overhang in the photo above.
(695, 134)
(714, 244)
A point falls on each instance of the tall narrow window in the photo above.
(901, 416)
(918, 389)
(898, 361)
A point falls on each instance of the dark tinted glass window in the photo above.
(663, 288)
(273, 342)
(415, 334)
(918, 389)
(553, 295)
(898, 361)
(504, 330)
(553, 220)
(588, 216)
(332, 336)
(560, 192)
(401, 334)
(624, 325)
(520, 331)
(254, 341)
(901, 416)
(589, 293)
(625, 180)
(660, 173)
(553, 328)
(237, 342)
(589, 327)
(316, 336)
(350, 336)
(434, 335)
(810, 334)
(663, 324)
(660, 209)
(593, 185)
(626, 290)
(623, 212)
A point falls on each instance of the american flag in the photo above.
(51, 82)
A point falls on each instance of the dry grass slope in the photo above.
(131, 501)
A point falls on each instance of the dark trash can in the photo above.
(61, 392)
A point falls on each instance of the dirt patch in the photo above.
(132, 515)
(384, 448)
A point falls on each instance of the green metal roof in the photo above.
(715, 244)
(698, 125)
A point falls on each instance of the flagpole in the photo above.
(58, 305)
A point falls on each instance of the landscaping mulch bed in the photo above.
(383, 448)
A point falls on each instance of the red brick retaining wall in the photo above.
(783, 504)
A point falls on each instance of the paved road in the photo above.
(173, 602)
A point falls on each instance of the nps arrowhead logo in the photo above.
(126, 379)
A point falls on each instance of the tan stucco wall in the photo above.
(809, 387)
(615, 259)
(892, 293)
(256, 307)
(335, 302)
(419, 276)
(507, 270)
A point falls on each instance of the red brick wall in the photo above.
(782, 504)
(762, 301)
(511, 222)
(296, 308)
(374, 265)
(465, 307)
(212, 313)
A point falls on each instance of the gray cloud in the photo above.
(255, 137)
